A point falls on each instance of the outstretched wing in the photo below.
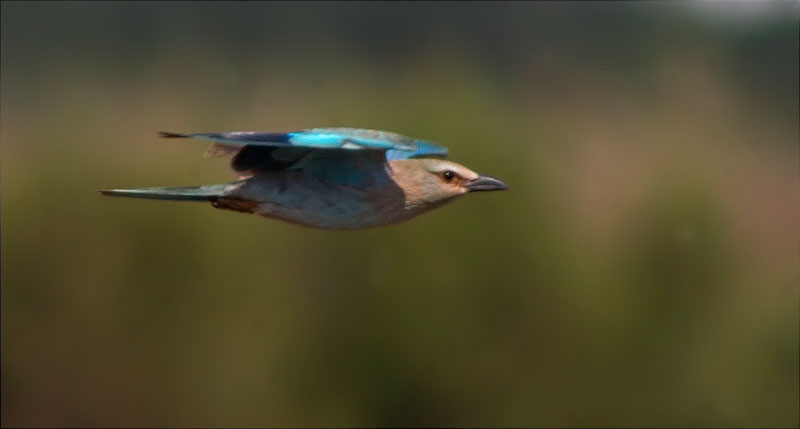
(299, 143)
(397, 146)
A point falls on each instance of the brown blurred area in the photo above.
(641, 271)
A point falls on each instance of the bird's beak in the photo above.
(485, 183)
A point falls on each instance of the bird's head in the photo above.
(431, 182)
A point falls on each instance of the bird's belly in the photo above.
(326, 206)
(322, 215)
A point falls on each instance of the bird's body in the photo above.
(335, 178)
(298, 197)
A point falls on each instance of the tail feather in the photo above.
(189, 193)
(170, 135)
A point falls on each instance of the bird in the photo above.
(327, 178)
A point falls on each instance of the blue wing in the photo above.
(396, 146)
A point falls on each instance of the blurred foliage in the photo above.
(642, 271)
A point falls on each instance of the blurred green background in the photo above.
(642, 271)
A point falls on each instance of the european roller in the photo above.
(331, 178)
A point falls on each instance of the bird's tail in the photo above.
(188, 193)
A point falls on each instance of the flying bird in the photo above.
(331, 178)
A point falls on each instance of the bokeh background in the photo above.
(641, 271)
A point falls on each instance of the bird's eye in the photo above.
(448, 175)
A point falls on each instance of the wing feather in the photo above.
(396, 146)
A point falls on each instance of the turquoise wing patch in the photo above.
(397, 146)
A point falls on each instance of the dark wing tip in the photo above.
(169, 135)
